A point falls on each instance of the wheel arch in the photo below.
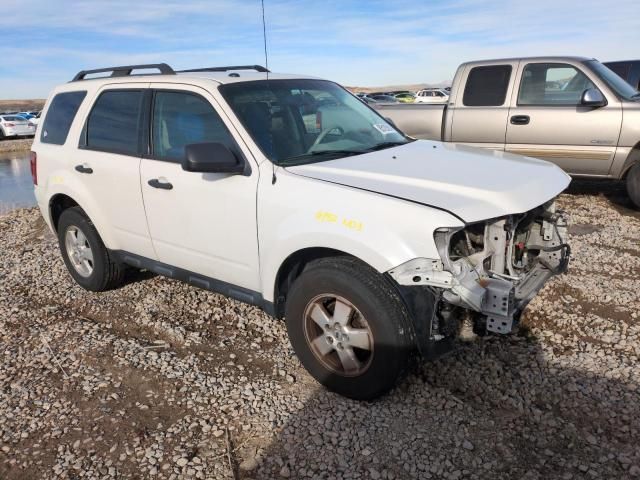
(632, 159)
(58, 204)
(294, 265)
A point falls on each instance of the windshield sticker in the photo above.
(383, 128)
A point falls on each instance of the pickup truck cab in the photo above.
(289, 193)
(571, 111)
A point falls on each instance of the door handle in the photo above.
(155, 183)
(84, 168)
(520, 120)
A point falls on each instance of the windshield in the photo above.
(620, 87)
(303, 121)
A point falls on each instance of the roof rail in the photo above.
(257, 68)
(126, 70)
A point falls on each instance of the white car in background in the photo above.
(15, 126)
(432, 95)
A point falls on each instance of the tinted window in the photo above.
(114, 122)
(621, 69)
(552, 84)
(60, 115)
(181, 118)
(487, 86)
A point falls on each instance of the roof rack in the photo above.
(126, 70)
(257, 68)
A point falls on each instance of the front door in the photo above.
(547, 120)
(201, 222)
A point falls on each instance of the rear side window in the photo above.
(114, 122)
(60, 115)
(487, 86)
(180, 119)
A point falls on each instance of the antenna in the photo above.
(264, 38)
(266, 64)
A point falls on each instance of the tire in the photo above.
(633, 185)
(378, 319)
(77, 236)
(1, 134)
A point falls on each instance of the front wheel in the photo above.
(633, 185)
(349, 328)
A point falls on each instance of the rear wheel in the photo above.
(349, 328)
(633, 185)
(87, 259)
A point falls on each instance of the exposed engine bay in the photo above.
(493, 268)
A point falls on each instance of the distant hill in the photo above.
(390, 88)
(21, 105)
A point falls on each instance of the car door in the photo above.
(548, 121)
(108, 161)
(479, 111)
(203, 223)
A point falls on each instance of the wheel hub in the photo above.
(338, 335)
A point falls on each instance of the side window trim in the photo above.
(150, 154)
(551, 65)
(83, 143)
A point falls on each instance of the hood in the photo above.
(473, 184)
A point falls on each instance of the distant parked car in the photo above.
(432, 95)
(629, 70)
(368, 100)
(15, 126)
(405, 97)
(384, 98)
(36, 118)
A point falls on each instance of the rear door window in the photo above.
(60, 115)
(487, 86)
(115, 121)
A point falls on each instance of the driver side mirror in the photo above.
(592, 97)
(211, 158)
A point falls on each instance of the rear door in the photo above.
(547, 120)
(480, 108)
(201, 222)
(108, 160)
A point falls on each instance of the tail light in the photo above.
(10, 124)
(34, 167)
(319, 121)
(31, 124)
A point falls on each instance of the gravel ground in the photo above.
(23, 144)
(161, 380)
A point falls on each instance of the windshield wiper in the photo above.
(383, 145)
(319, 156)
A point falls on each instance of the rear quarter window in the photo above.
(60, 115)
(487, 86)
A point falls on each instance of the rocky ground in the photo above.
(161, 380)
(22, 144)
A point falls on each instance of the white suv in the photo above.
(289, 193)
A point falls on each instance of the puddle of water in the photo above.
(16, 187)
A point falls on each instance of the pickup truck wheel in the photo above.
(349, 328)
(633, 185)
(84, 254)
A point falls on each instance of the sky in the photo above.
(356, 43)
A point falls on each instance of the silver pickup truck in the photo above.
(571, 111)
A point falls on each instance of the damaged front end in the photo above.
(493, 268)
